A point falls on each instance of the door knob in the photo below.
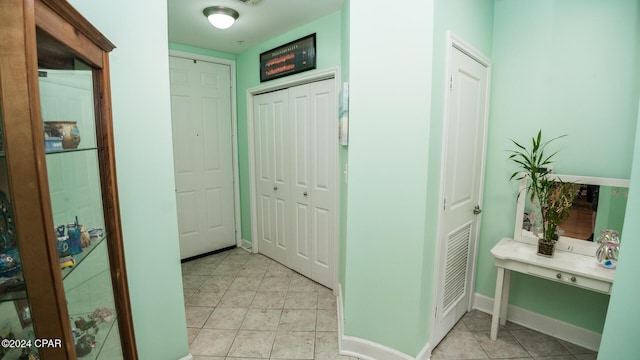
(304, 193)
(275, 188)
(477, 210)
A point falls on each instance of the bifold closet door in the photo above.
(296, 164)
(272, 138)
(314, 142)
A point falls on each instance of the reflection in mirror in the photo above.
(595, 207)
(600, 203)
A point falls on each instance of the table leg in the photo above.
(505, 297)
(496, 304)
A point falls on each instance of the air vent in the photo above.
(249, 2)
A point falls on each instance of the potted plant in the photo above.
(552, 196)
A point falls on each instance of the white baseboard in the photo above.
(544, 324)
(246, 244)
(188, 357)
(369, 350)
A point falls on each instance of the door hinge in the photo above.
(450, 82)
(435, 314)
(444, 204)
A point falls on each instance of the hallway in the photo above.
(247, 306)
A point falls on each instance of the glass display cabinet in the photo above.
(63, 283)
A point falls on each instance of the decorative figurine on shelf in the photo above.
(85, 344)
(85, 238)
(67, 261)
(63, 246)
(95, 234)
(8, 266)
(75, 242)
(101, 314)
(60, 231)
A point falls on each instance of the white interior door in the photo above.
(271, 126)
(203, 160)
(296, 177)
(462, 179)
(314, 125)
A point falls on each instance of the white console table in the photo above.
(566, 266)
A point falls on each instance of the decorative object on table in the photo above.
(75, 241)
(85, 344)
(609, 249)
(101, 314)
(85, 238)
(553, 197)
(7, 231)
(67, 130)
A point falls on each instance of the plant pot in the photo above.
(546, 248)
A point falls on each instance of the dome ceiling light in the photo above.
(221, 17)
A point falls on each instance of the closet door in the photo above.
(314, 142)
(272, 138)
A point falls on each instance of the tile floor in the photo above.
(247, 306)
(469, 339)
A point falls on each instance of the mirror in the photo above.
(600, 203)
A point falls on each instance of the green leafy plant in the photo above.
(554, 197)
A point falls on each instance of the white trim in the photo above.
(187, 357)
(369, 350)
(246, 244)
(544, 324)
(304, 78)
(234, 131)
(455, 41)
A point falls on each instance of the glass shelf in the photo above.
(79, 258)
(64, 151)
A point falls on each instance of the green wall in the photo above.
(200, 51)
(621, 331)
(141, 106)
(328, 36)
(568, 67)
(390, 92)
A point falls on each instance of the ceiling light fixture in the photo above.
(220, 16)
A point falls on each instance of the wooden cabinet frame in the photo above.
(20, 20)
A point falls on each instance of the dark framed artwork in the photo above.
(288, 59)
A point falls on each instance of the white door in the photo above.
(271, 126)
(296, 177)
(314, 125)
(203, 161)
(462, 184)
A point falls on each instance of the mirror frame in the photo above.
(564, 243)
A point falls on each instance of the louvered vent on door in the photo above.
(456, 266)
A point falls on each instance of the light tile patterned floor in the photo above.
(469, 340)
(247, 306)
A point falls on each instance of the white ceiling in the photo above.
(256, 24)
